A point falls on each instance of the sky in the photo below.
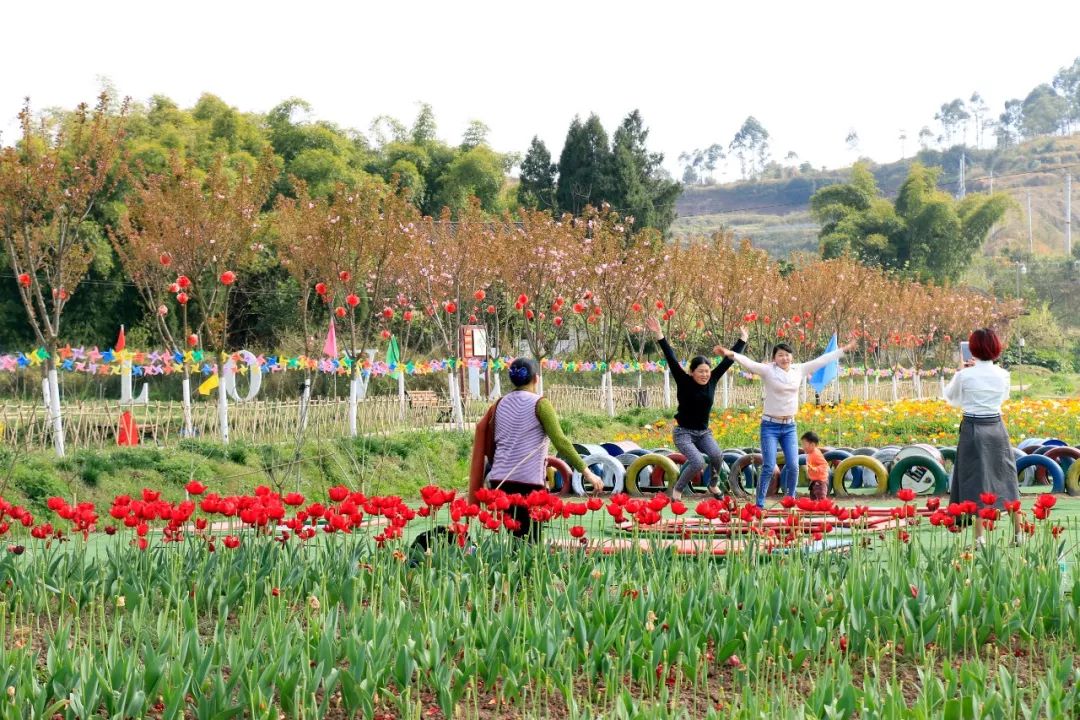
(810, 72)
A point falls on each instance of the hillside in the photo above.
(773, 212)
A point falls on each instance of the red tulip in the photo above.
(339, 311)
(914, 591)
(678, 507)
(987, 498)
(195, 488)
(228, 277)
(231, 541)
(354, 300)
(577, 531)
(408, 315)
(338, 493)
(479, 295)
(905, 494)
(1046, 500)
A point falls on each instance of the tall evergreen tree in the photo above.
(537, 188)
(639, 186)
(582, 166)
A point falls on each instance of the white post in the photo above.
(865, 386)
(941, 382)
(725, 388)
(667, 388)
(223, 405)
(54, 410)
(185, 401)
(305, 401)
(354, 398)
(1068, 215)
(610, 395)
(916, 382)
(401, 393)
(540, 383)
(455, 399)
(895, 387)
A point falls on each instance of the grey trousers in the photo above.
(697, 445)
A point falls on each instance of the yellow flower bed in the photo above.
(876, 424)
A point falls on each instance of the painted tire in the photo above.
(948, 453)
(896, 474)
(744, 463)
(860, 476)
(669, 468)
(560, 477)
(1072, 479)
(612, 473)
(656, 479)
(1057, 476)
(887, 455)
(1064, 456)
(860, 461)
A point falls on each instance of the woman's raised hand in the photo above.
(744, 334)
(724, 351)
(654, 327)
(850, 345)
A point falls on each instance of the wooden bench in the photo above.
(429, 400)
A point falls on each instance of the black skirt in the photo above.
(985, 462)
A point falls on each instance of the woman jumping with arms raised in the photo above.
(781, 381)
(696, 390)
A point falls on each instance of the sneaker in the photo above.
(716, 491)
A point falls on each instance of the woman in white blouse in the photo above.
(984, 455)
(781, 380)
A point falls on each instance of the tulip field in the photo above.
(271, 604)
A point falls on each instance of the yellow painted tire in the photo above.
(863, 461)
(671, 472)
(1072, 479)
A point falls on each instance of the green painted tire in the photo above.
(860, 461)
(896, 474)
(671, 472)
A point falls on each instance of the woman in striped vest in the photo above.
(515, 435)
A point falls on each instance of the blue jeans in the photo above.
(772, 435)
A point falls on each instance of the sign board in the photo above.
(473, 341)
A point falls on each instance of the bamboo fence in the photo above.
(96, 423)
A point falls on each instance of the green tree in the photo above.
(537, 186)
(1044, 112)
(582, 166)
(953, 116)
(1067, 82)
(925, 233)
(1009, 123)
(751, 146)
(638, 187)
(477, 173)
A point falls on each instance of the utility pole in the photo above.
(962, 191)
(991, 179)
(1031, 239)
(1068, 214)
